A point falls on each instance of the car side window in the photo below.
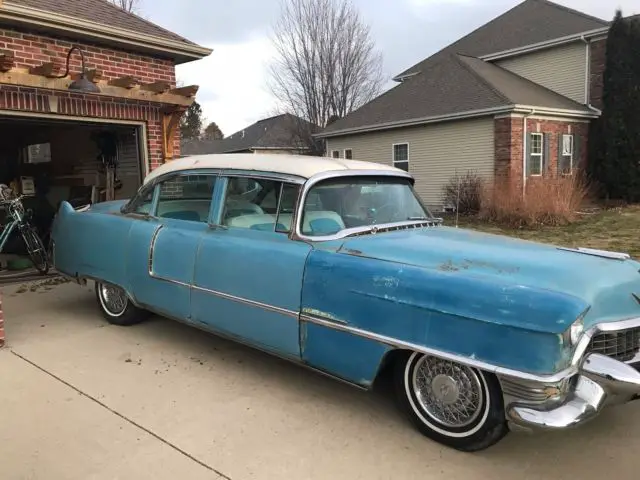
(186, 197)
(259, 204)
(142, 202)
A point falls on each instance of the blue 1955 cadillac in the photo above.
(337, 265)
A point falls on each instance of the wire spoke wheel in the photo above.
(450, 393)
(114, 299)
(35, 248)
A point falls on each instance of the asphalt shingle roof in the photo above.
(102, 12)
(528, 23)
(454, 80)
(274, 132)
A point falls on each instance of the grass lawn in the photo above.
(616, 229)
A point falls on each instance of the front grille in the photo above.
(622, 345)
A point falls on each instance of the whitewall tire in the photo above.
(451, 403)
(116, 306)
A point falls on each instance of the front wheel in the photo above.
(36, 249)
(116, 306)
(451, 403)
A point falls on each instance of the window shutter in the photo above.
(546, 153)
(528, 154)
(577, 149)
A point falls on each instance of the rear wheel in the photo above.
(116, 306)
(36, 249)
(451, 403)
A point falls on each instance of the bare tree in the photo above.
(131, 6)
(326, 63)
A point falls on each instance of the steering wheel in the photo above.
(388, 211)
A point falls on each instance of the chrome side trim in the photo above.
(297, 361)
(246, 301)
(154, 275)
(393, 342)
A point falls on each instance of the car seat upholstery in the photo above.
(322, 222)
(190, 210)
(263, 222)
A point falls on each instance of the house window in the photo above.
(335, 154)
(401, 156)
(567, 146)
(348, 153)
(535, 157)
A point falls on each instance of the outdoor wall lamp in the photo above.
(82, 84)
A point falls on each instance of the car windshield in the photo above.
(341, 203)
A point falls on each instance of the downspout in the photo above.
(587, 74)
(524, 149)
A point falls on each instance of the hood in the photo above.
(607, 285)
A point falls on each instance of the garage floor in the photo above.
(83, 400)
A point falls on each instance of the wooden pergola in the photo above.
(175, 100)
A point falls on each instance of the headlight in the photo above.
(572, 335)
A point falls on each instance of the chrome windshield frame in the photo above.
(313, 181)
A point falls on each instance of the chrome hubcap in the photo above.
(113, 298)
(449, 393)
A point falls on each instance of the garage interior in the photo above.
(49, 161)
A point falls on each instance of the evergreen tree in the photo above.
(614, 158)
(191, 122)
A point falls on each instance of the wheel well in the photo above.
(388, 363)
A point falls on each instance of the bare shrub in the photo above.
(464, 192)
(546, 201)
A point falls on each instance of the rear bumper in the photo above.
(601, 380)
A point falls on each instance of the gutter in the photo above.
(547, 44)
(92, 30)
(460, 116)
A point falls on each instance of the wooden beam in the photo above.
(124, 82)
(7, 60)
(93, 75)
(156, 87)
(188, 92)
(49, 70)
(170, 122)
(22, 79)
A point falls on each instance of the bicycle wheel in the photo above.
(35, 248)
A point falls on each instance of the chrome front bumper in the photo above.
(601, 380)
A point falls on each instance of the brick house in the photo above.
(514, 97)
(130, 118)
(95, 133)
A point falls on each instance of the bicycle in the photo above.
(20, 218)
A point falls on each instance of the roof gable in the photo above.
(279, 132)
(456, 83)
(529, 23)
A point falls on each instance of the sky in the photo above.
(233, 79)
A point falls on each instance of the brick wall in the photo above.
(74, 104)
(509, 143)
(597, 66)
(557, 128)
(31, 50)
(508, 148)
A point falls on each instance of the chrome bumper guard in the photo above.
(600, 379)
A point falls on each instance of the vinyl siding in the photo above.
(436, 152)
(561, 69)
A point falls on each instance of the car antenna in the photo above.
(457, 197)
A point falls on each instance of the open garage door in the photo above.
(50, 161)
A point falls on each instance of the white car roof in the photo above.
(298, 165)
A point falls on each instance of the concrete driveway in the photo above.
(80, 399)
